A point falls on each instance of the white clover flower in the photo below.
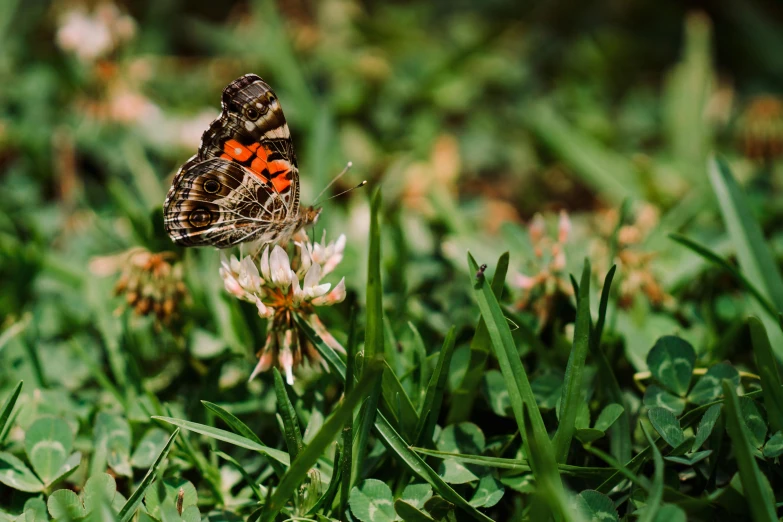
(283, 288)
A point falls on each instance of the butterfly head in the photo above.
(309, 216)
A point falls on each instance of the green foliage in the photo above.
(501, 389)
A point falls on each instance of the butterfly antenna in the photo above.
(363, 183)
(334, 180)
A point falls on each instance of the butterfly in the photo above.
(243, 184)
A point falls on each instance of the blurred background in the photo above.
(553, 130)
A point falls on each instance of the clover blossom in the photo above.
(284, 288)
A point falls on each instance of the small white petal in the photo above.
(280, 267)
(337, 295)
(264, 310)
(265, 264)
(249, 277)
(298, 293)
(317, 291)
(312, 277)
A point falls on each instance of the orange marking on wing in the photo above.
(281, 183)
(278, 166)
(262, 153)
(236, 150)
(225, 156)
(254, 146)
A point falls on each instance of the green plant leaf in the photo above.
(99, 488)
(409, 513)
(547, 388)
(588, 435)
(309, 456)
(771, 385)
(488, 493)
(227, 436)
(48, 444)
(756, 424)
(755, 485)
(241, 469)
(667, 426)
(129, 508)
(371, 501)
(166, 491)
(708, 387)
(596, 507)
(64, 504)
(14, 474)
(774, 446)
(148, 448)
(657, 397)
(706, 426)
(671, 362)
(497, 394)
(416, 494)
(608, 416)
(690, 460)
(113, 436)
(671, 513)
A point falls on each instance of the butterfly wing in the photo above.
(252, 136)
(220, 203)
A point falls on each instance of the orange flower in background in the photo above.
(548, 277)
(760, 128)
(152, 283)
(635, 275)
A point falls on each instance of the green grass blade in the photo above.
(241, 469)
(620, 432)
(715, 259)
(516, 464)
(514, 374)
(129, 509)
(8, 406)
(293, 434)
(227, 436)
(548, 482)
(754, 484)
(334, 484)
(393, 440)
(325, 436)
(242, 429)
(655, 495)
(346, 458)
(467, 391)
(571, 397)
(755, 257)
(397, 445)
(373, 337)
(767, 365)
(433, 400)
(610, 174)
(396, 399)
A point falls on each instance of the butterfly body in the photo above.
(243, 184)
